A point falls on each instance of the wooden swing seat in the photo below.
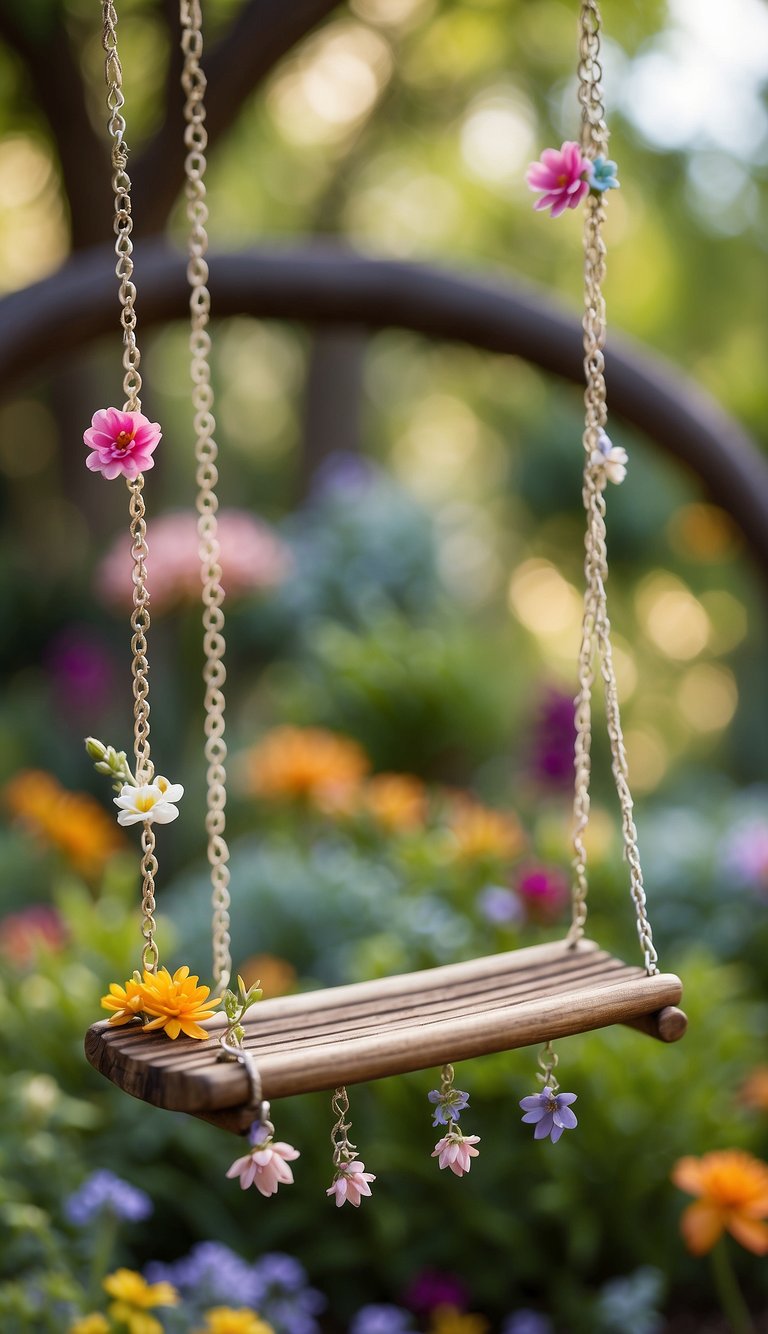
(318, 1040)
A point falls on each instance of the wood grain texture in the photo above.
(317, 1040)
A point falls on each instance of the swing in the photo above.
(324, 1040)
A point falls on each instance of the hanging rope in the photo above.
(596, 630)
(206, 453)
(140, 619)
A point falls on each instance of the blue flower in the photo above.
(527, 1322)
(381, 1320)
(448, 1105)
(550, 1112)
(281, 1271)
(104, 1193)
(211, 1273)
(602, 174)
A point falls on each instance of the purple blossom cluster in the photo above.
(381, 1319)
(275, 1285)
(449, 1104)
(104, 1193)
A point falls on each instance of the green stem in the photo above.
(729, 1293)
(102, 1254)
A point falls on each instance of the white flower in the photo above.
(610, 459)
(152, 801)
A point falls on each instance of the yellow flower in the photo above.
(733, 1196)
(307, 763)
(177, 1002)
(72, 822)
(480, 833)
(449, 1320)
(96, 1323)
(134, 1297)
(125, 1002)
(396, 801)
(226, 1320)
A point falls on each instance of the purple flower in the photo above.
(553, 740)
(526, 1322)
(744, 853)
(212, 1273)
(381, 1320)
(81, 670)
(104, 1193)
(500, 906)
(432, 1288)
(448, 1105)
(280, 1271)
(550, 1112)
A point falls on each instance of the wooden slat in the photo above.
(317, 1040)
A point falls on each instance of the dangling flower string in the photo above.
(266, 1166)
(549, 1111)
(608, 460)
(351, 1181)
(454, 1150)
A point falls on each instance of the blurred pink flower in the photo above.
(351, 1183)
(456, 1151)
(23, 935)
(560, 173)
(121, 443)
(543, 891)
(252, 558)
(266, 1167)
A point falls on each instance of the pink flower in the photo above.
(35, 930)
(560, 173)
(456, 1151)
(266, 1166)
(121, 443)
(544, 892)
(253, 559)
(351, 1183)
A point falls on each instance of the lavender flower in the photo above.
(211, 1273)
(381, 1320)
(104, 1193)
(448, 1105)
(550, 1112)
(281, 1271)
(500, 906)
(526, 1322)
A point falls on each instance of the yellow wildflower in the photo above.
(96, 1323)
(134, 1298)
(226, 1320)
(449, 1320)
(177, 1002)
(306, 763)
(479, 832)
(125, 1002)
(396, 801)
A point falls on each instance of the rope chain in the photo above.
(596, 628)
(206, 452)
(344, 1151)
(140, 620)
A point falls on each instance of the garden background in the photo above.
(402, 535)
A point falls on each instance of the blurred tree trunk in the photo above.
(333, 399)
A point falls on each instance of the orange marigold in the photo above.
(72, 822)
(732, 1187)
(396, 801)
(177, 1003)
(305, 762)
(479, 832)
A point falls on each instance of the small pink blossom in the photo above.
(122, 443)
(560, 174)
(456, 1151)
(253, 560)
(351, 1183)
(265, 1167)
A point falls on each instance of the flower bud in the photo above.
(95, 748)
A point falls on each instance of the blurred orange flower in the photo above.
(754, 1090)
(307, 763)
(480, 832)
(395, 801)
(72, 822)
(449, 1320)
(277, 977)
(732, 1187)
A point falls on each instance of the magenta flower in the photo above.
(544, 892)
(121, 443)
(456, 1151)
(561, 175)
(350, 1183)
(265, 1167)
(550, 1112)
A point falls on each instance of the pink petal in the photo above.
(263, 1157)
(553, 158)
(559, 206)
(238, 1166)
(539, 177)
